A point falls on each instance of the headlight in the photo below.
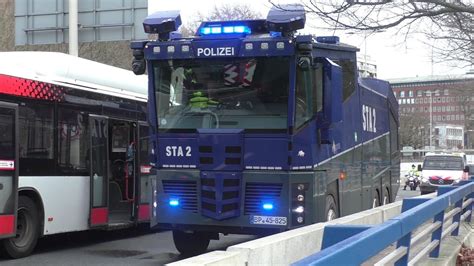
(424, 179)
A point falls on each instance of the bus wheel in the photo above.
(27, 230)
(190, 243)
(331, 208)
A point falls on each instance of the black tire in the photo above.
(190, 243)
(28, 226)
(331, 212)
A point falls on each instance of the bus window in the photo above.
(73, 142)
(36, 140)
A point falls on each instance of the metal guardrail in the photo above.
(353, 245)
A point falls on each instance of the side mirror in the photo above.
(139, 62)
(419, 168)
(332, 99)
(332, 92)
(466, 169)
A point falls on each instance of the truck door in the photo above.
(8, 168)
(142, 182)
(99, 176)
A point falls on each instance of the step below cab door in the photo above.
(8, 169)
(99, 176)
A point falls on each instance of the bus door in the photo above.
(8, 168)
(99, 175)
(143, 159)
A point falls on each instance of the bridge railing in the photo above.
(354, 245)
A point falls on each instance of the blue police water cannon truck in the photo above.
(257, 130)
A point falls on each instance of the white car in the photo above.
(442, 169)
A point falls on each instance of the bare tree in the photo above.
(220, 13)
(414, 129)
(450, 24)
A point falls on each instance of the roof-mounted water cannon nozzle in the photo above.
(162, 23)
(286, 18)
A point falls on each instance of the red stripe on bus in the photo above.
(144, 212)
(30, 88)
(7, 224)
(99, 216)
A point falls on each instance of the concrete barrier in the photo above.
(288, 247)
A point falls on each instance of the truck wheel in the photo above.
(27, 230)
(331, 208)
(190, 243)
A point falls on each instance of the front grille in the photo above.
(220, 195)
(185, 191)
(206, 160)
(233, 149)
(257, 193)
(441, 182)
(218, 157)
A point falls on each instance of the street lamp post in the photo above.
(431, 115)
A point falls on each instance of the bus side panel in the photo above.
(65, 200)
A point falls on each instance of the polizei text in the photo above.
(215, 51)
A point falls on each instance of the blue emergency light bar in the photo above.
(328, 39)
(218, 29)
(226, 28)
(281, 20)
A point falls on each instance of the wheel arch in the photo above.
(34, 195)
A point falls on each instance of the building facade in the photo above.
(105, 27)
(450, 137)
(438, 102)
(366, 66)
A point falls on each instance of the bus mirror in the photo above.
(466, 169)
(419, 168)
(332, 92)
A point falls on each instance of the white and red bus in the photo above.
(73, 148)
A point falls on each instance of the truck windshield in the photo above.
(442, 163)
(237, 93)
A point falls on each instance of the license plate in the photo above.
(270, 220)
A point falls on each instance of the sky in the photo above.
(394, 57)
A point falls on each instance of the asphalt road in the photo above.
(126, 247)
(407, 193)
